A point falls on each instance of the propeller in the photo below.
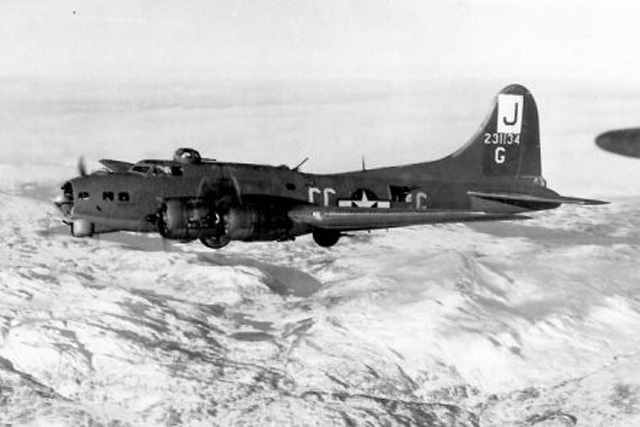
(219, 207)
(82, 167)
(205, 190)
(231, 187)
(236, 187)
(215, 199)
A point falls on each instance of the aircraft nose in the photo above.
(64, 201)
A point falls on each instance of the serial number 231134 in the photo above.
(496, 138)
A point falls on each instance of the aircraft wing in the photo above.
(352, 219)
(116, 166)
(528, 198)
(625, 142)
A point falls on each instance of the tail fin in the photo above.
(508, 142)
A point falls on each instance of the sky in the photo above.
(337, 39)
(365, 58)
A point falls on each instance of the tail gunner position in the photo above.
(495, 176)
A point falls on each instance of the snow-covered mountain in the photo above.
(528, 323)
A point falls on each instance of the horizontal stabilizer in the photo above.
(351, 219)
(529, 198)
(116, 166)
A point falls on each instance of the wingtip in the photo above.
(597, 202)
(625, 142)
(586, 202)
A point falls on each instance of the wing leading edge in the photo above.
(352, 219)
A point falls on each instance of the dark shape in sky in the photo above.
(625, 142)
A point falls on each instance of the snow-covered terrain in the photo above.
(528, 323)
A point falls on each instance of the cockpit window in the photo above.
(143, 169)
(156, 170)
(123, 197)
(161, 170)
(107, 195)
(83, 195)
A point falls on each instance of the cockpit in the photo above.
(182, 156)
(148, 168)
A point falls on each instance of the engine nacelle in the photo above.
(257, 222)
(82, 228)
(187, 219)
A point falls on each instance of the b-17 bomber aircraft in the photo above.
(495, 176)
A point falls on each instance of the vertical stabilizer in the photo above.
(508, 142)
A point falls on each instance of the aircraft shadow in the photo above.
(282, 280)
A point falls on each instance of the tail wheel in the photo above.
(326, 238)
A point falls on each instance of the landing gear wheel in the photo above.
(326, 238)
(216, 242)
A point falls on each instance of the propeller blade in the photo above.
(231, 183)
(82, 167)
(236, 187)
(205, 190)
